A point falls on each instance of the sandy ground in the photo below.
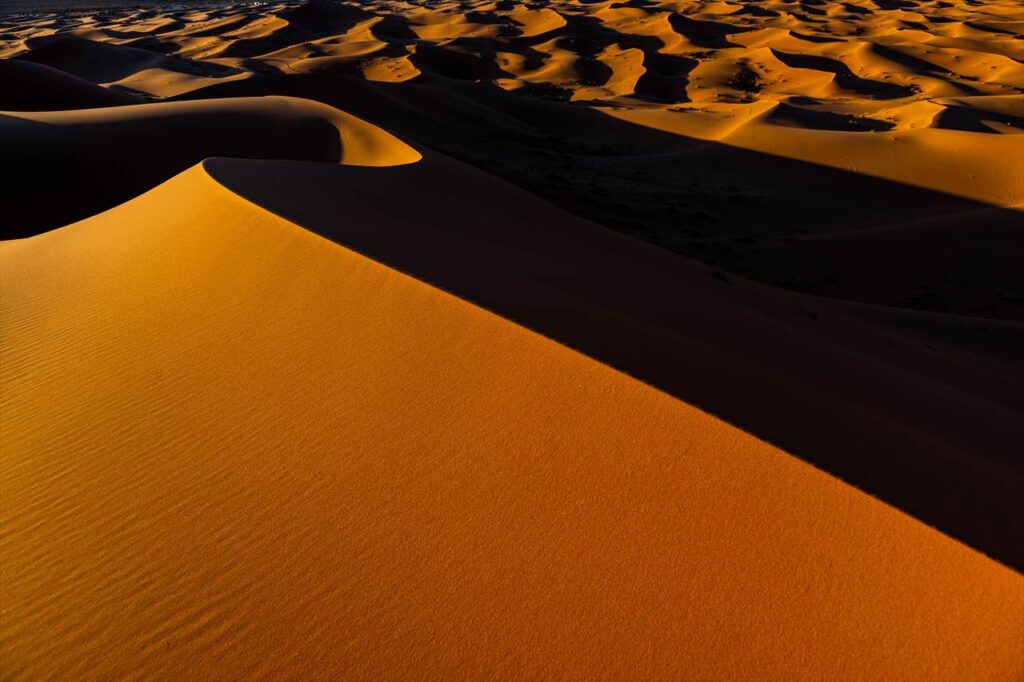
(637, 340)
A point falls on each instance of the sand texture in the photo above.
(576, 340)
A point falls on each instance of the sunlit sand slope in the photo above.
(231, 448)
(843, 387)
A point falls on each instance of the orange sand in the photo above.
(285, 416)
(270, 457)
(898, 89)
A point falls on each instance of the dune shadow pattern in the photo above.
(893, 361)
(64, 176)
(762, 216)
(934, 438)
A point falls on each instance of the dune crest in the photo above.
(590, 339)
(414, 499)
(914, 94)
(364, 144)
(95, 158)
(845, 68)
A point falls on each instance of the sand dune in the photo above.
(859, 399)
(127, 69)
(719, 51)
(333, 367)
(75, 163)
(904, 92)
(34, 87)
(427, 488)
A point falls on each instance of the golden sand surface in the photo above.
(318, 359)
(279, 459)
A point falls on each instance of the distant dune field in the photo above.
(569, 340)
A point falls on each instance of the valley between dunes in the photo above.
(607, 340)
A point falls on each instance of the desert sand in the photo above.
(639, 340)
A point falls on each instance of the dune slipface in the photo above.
(75, 163)
(783, 136)
(269, 456)
(387, 400)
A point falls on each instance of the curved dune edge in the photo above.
(925, 434)
(893, 98)
(989, 167)
(37, 87)
(269, 456)
(364, 144)
(898, 90)
(76, 163)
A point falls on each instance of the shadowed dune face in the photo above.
(860, 399)
(921, 93)
(479, 436)
(34, 87)
(711, 185)
(73, 164)
(864, 152)
(278, 458)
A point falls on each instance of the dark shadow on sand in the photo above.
(923, 411)
(933, 433)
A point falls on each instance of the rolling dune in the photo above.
(278, 459)
(75, 163)
(34, 87)
(922, 95)
(674, 339)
